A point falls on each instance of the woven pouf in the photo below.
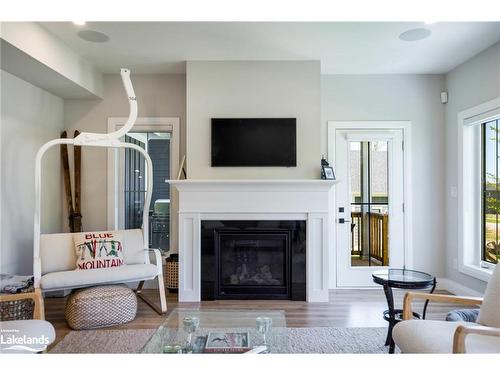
(100, 306)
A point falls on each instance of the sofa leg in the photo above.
(39, 310)
(163, 300)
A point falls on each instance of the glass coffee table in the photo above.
(173, 336)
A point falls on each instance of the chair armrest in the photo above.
(410, 296)
(462, 331)
(158, 260)
(16, 297)
(36, 296)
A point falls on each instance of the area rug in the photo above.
(323, 340)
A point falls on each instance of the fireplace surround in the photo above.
(253, 259)
(310, 201)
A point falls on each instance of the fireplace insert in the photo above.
(253, 260)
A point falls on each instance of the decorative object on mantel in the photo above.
(182, 168)
(327, 172)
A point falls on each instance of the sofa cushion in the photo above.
(57, 251)
(489, 314)
(79, 279)
(463, 315)
(98, 250)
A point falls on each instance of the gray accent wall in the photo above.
(159, 95)
(470, 84)
(414, 98)
(253, 89)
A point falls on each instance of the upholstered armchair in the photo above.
(428, 336)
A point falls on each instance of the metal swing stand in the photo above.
(102, 140)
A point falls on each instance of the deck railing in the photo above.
(379, 239)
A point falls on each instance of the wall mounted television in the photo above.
(254, 142)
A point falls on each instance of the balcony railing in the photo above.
(378, 240)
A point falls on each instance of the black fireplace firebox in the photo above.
(253, 259)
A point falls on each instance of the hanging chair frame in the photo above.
(105, 140)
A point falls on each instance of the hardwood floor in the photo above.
(346, 308)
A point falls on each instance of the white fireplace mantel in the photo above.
(309, 200)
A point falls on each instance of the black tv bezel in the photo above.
(256, 165)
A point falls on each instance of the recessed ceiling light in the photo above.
(79, 23)
(415, 34)
(93, 36)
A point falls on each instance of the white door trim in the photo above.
(405, 126)
(143, 124)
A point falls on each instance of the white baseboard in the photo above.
(457, 288)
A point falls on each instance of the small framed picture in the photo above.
(328, 173)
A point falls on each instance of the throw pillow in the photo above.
(98, 250)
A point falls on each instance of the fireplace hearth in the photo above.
(253, 259)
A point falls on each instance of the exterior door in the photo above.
(369, 204)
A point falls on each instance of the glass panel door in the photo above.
(369, 178)
(370, 222)
(158, 147)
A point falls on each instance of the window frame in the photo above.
(469, 189)
(484, 181)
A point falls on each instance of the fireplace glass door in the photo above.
(253, 264)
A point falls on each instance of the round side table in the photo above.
(401, 279)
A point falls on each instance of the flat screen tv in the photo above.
(254, 142)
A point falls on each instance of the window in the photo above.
(490, 192)
(478, 190)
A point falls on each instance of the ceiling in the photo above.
(342, 47)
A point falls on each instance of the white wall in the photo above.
(42, 46)
(471, 83)
(415, 98)
(253, 89)
(29, 117)
(159, 95)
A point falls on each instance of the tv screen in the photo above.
(254, 142)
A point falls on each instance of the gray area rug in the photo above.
(323, 340)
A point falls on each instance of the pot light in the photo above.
(415, 34)
(93, 36)
(79, 23)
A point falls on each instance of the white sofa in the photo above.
(55, 269)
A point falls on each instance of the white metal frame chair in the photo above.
(103, 140)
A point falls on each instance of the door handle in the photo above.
(342, 221)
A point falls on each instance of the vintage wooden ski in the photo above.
(67, 182)
(77, 216)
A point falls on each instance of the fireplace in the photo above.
(253, 259)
